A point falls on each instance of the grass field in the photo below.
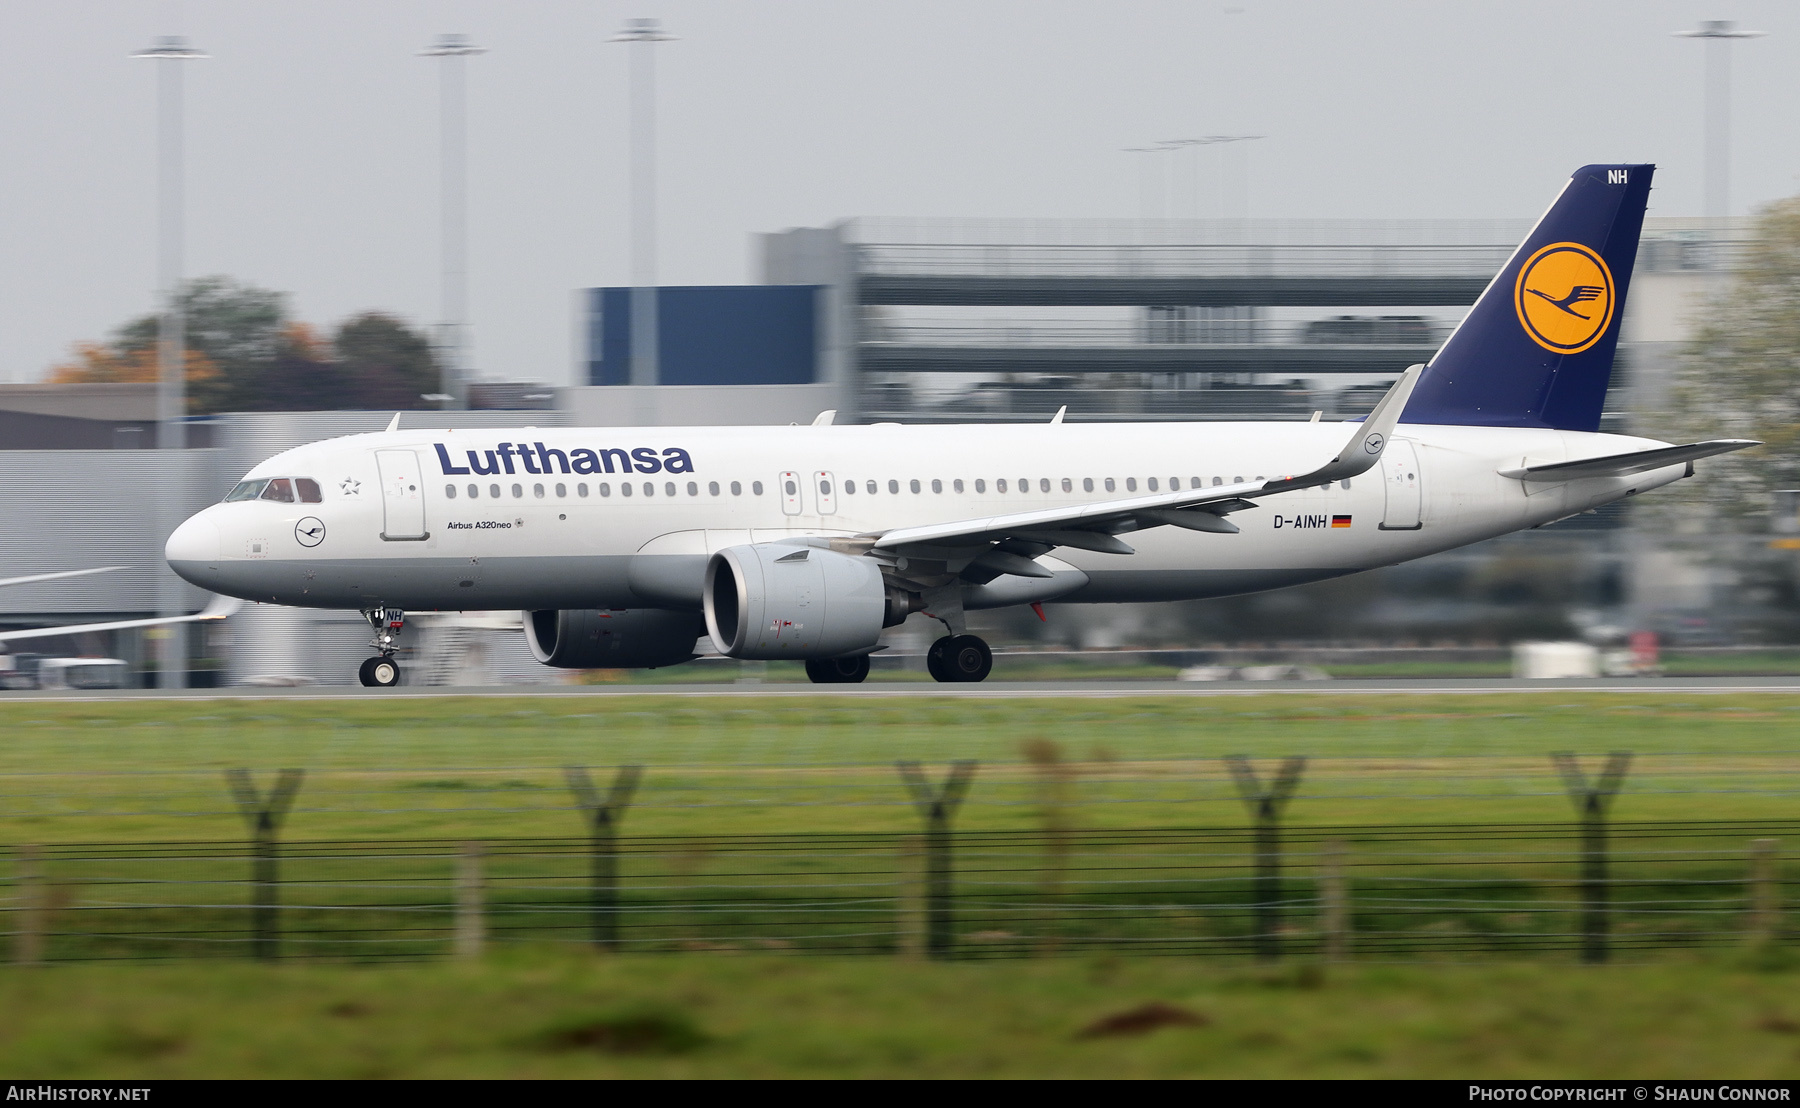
(491, 767)
(538, 1014)
(451, 769)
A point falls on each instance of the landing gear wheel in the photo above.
(379, 672)
(968, 659)
(959, 658)
(935, 659)
(838, 671)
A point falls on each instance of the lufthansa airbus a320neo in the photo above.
(624, 546)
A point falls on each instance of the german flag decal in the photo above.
(1340, 521)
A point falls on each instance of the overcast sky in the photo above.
(312, 133)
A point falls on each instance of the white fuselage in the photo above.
(382, 535)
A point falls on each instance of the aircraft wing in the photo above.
(5, 581)
(1095, 526)
(218, 608)
(1624, 465)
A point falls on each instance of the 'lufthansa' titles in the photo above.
(538, 458)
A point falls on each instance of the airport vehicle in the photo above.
(622, 546)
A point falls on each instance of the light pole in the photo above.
(1718, 34)
(643, 34)
(171, 347)
(453, 146)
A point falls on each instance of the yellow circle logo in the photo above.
(1564, 297)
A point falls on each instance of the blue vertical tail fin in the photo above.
(1537, 349)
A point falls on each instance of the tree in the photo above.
(387, 364)
(245, 354)
(1739, 377)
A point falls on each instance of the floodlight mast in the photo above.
(1719, 34)
(171, 346)
(643, 35)
(452, 344)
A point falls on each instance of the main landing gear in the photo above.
(381, 671)
(838, 671)
(959, 658)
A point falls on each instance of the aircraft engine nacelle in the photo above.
(771, 600)
(640, 638)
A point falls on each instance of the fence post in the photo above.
(471, 924)
(938, 806)
(264, 815)
(1265, 806)
(910, 907)
(1765, 893)
(34, 909)
(1335, 892)
(603, 816)
(1591, 802)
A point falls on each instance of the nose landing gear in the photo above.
(382, 671)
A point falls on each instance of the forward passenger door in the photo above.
(402, 496)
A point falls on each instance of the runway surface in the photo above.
(996, 690)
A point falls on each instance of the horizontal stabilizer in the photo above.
(1624, 465)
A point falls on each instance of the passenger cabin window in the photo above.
(450, 492)
(494, 491)
(957, 484)
(474, 492)
(1152, 484)
(308, 490)
(1109, 485)
(937, 485)
(980, 485)
(1000, 485)
(893, 485)
(915, 484)
(737, 489)
(1131, 484)
(1087, 484)
(280, 489)
(755, 488)
(873, 487)
(1068, 485)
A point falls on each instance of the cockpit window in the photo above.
(246, 490)
(309, 490)
(281, 489)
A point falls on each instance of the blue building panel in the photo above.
(711, 335)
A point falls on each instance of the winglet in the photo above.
(1060, 412)
(1367, 442)
(824, 418)
(394, 424)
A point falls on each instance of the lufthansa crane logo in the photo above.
(1564, 297)
(309, 531)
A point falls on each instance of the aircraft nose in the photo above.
(194, 544)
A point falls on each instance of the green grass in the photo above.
(542, 1014)
(474, 768)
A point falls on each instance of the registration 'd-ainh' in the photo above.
(624, 547)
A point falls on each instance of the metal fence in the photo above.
(1375, 892)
